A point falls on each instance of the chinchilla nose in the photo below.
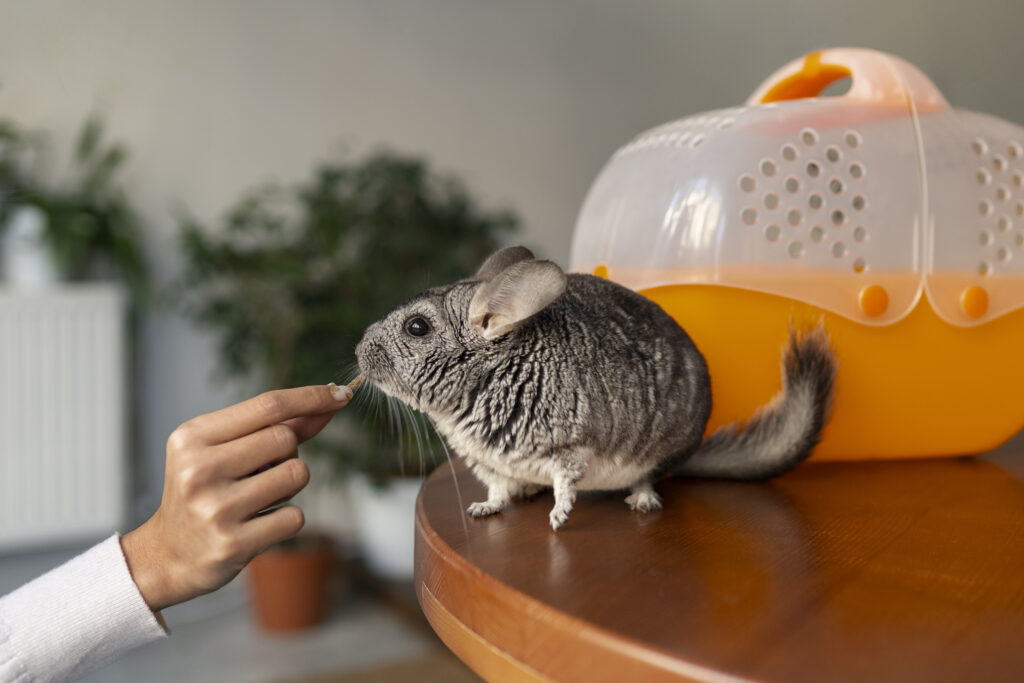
(366, 343)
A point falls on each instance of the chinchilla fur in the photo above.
(538, 378)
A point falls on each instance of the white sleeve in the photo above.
(74, 619)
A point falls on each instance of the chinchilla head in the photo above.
(430, 350)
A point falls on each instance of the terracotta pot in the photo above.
(289, 586)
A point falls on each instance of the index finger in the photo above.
(267, 409)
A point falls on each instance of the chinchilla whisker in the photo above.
(417, 432)
(396, 430)
(408, 428)
(363, 398)
(348, 371)
(458, 492)
(377, 410)
(427, 458)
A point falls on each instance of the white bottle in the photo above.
(26, 258)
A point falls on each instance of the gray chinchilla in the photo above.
(538, 378)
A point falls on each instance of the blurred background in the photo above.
(231, 163)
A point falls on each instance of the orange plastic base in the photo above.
(918, 388)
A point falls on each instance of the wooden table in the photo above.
(889, 571)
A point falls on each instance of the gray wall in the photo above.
(525, 99)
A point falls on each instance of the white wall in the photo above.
(525, 99)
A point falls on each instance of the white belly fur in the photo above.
(603, 474)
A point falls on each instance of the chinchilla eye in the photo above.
(417, 327)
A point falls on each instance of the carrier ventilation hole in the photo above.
(859, 265)
(993, 165)
(1018, 239)
(697, 139)
(820, 186)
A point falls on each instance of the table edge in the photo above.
(441, 574)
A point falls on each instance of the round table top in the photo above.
(858, 571)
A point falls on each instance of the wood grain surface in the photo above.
(880, 571)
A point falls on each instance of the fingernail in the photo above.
(339, 393)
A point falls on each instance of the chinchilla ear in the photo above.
(502, 259)
(519, 292)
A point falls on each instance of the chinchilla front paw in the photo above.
(644, 501)
(559, 515)
(484, 509)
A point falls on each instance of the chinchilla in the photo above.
(540, 378)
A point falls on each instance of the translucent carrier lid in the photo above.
(858, 204)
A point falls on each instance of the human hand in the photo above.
(211, 520)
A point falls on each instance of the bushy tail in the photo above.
(782, 433)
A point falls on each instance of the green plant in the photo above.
(91, 227)
(294, 275)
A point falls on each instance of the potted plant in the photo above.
(293, 276)
(79, 229)
(290, 582)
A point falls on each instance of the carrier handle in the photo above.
(877, 78)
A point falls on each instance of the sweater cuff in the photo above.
(74, 619)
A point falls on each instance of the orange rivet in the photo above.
(874, 300)
(974, 301)
(601, 271)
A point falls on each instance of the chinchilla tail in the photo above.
(782, 433)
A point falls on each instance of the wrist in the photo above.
(148, 569)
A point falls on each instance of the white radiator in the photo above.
(63, 433)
